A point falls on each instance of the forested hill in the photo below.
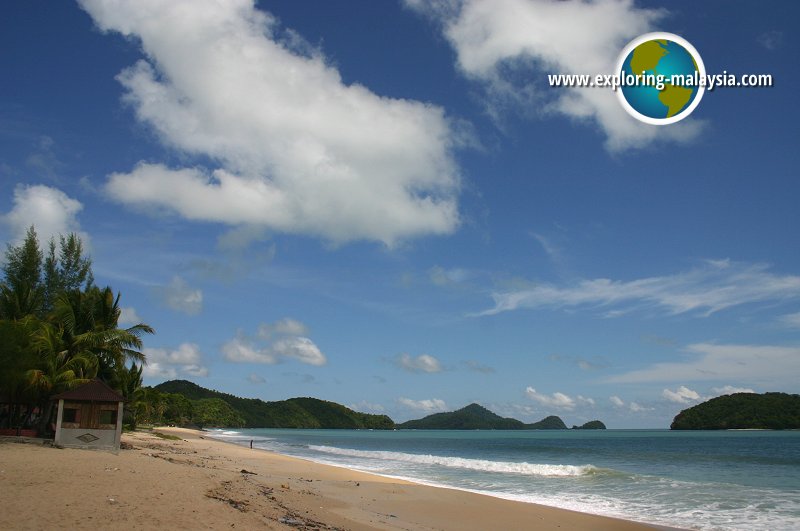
(292, 413)
(471, 417)
(477, 417)
(774, 411)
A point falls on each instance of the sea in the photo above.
(706, 480)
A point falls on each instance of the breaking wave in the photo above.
(503, 467)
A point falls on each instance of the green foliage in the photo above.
(548, 423)
(22, 292)
(471, 417)
(773, 411)
(57, 329)
(477, 417)
(591, 425)
(292, 413)
(67, 270)
(215, 413)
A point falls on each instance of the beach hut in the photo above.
(89, 416)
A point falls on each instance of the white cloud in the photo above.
(168, 364)
(421, 363)
(631, 406)
(771, 40)
(476, 366)
(254, 378)
(297, 149)
(300, 348)
(49, 210)
(550, 249)
(771, 365)
(791, 320)
(509, 46)
(730, 390)
(275, 342)
(432, 405)
(681, 395)
(636, 408)
(367, 407)
(444, 277)
(285, 326)
(706, 289)
(128, 316)
(179, 296)
(557, 400)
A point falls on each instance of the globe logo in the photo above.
(661, 78)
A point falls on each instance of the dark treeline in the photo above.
(185, 403)
(58, 330)
(767, 411)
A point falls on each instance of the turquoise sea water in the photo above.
(747, 480)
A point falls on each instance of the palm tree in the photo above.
(89, 321)
(58, 369)
(82, 341)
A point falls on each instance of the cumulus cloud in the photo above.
(432, 405)
(129, 317)
(421, 363)
(285, 326)
(509, 46)
(179, 296)
(297, 149)
(49, 210)
(168, 364)
(710, 287)
(772, 365)
(730, 390)
(558, 400)
(634, 407)
(274, 343)
(681, 395)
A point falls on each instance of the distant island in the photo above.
(185, 403)
(477, 417)
(591, 425)
(768, 411)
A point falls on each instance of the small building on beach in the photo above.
(89, 416)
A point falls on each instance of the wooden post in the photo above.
(118, 434)
(59, 418)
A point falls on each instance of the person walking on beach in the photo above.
(251, 444)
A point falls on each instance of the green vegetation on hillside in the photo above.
(548, 423)
(775, 411)
(251, 412)
(477, 417)
(591, 425)
(471, 417)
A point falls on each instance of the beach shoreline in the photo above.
(199, 481)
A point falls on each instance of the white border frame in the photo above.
(701, 68)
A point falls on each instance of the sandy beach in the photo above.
(201, 483)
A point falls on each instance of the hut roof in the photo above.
(95, 391)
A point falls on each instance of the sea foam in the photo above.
(503, 467)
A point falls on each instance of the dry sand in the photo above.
(200, 483)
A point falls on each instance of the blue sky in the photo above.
(384, 204)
